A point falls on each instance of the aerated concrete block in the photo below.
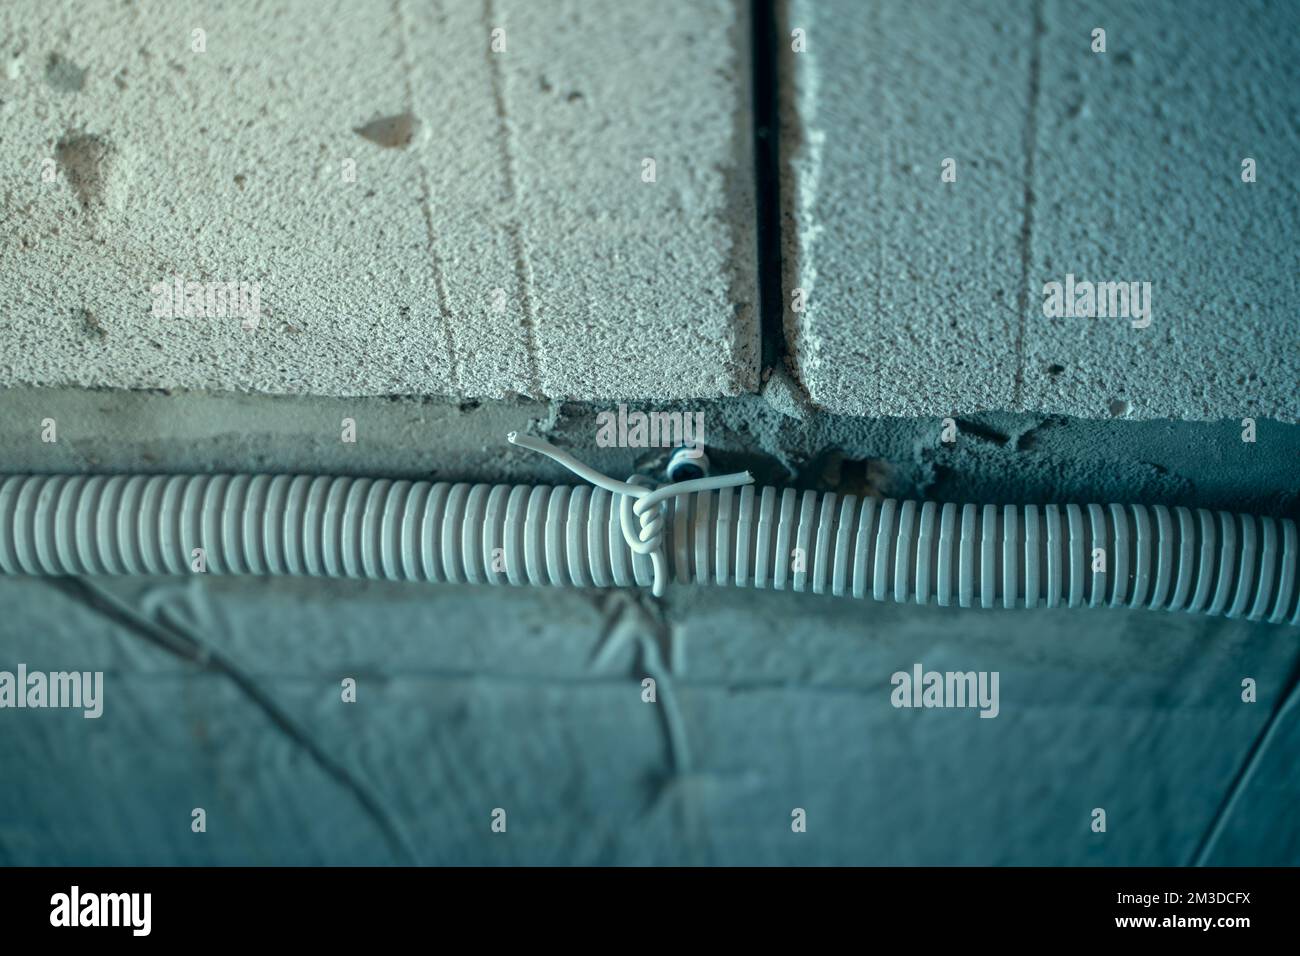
(945, 161)
(428, 198)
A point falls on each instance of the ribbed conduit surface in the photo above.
(968, 555)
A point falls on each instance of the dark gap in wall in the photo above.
(767, 181)
(979, 430)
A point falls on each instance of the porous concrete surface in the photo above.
(899, 274)
(499, 237)
(925, 297)
(531, 702)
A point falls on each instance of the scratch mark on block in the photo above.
(1027, 226)
(499, 101)
(1246, 771)
(426, 202)
(183, 640)
(515, 228)
(524, 274)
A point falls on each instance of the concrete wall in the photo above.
(225, 694)
(531, 702)
(521, 170)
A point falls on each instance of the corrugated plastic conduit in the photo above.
(707, 531)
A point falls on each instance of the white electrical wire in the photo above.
(636, 498)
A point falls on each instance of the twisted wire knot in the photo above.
(640, 502)
(651, 519)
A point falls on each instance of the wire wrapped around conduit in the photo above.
(965, 555)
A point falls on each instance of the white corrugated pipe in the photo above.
(967, 555)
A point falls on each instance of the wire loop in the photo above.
(640, 502)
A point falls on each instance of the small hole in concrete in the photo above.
(86, 162)
(391, 132)
(64, 75)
